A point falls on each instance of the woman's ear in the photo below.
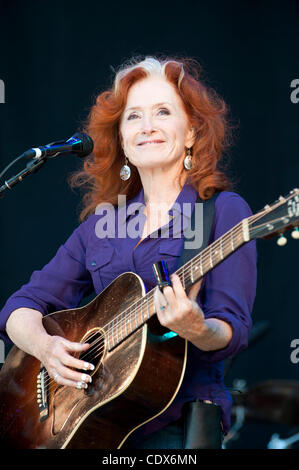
(191, 136)
(120, 137)
(121, 142)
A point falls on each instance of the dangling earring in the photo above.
(188, 160)
(125, 171)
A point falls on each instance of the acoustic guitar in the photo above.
(138, 369)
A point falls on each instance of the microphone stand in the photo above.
(32, 167)
(80, 144)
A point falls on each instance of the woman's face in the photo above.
(154, 126)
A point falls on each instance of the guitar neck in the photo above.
(141, 311)
(214, 254)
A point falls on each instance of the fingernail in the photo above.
(81, 385)
(86, 378)
(88, 366)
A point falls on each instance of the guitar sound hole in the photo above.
(96, 350)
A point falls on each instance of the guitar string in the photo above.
(229, 233)
(150, 303)
(134, 311)
(131, 311)
(238, 229)
(121, 322)
(99, 350)
(120, 326)
(202, 260)
(266, 223)
(142, 300)
(186, 278)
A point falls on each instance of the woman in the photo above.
(158, 136)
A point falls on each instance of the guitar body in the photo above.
(131, 384)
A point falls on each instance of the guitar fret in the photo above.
(192, 279)
(232, 240)
(195, 268)
(221, 249)
(211, 260)
(245, 230)
(200, 263)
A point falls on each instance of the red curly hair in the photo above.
(205, 109)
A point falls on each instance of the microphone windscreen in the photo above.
(83, 144)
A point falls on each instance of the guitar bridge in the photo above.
(43, 393)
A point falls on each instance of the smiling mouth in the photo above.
(151, 142)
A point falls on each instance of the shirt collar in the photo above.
(188, 194)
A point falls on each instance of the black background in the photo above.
(55, 58)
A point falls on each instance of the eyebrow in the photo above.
(139, 107)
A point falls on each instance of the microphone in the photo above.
(79, 144)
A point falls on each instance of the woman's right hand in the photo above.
(25, 328)
(56, 356)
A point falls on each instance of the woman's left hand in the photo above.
(181, 314)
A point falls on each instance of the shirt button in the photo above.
(93, 263)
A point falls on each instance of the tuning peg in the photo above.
(282, 240)
(295, 233)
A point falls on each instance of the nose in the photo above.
(147, 124)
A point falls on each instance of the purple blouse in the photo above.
(87, 263)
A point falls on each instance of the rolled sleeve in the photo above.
(61, 284)
(228, 291)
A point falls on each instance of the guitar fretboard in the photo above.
(141, 311)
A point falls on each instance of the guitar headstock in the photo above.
(277, 218)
